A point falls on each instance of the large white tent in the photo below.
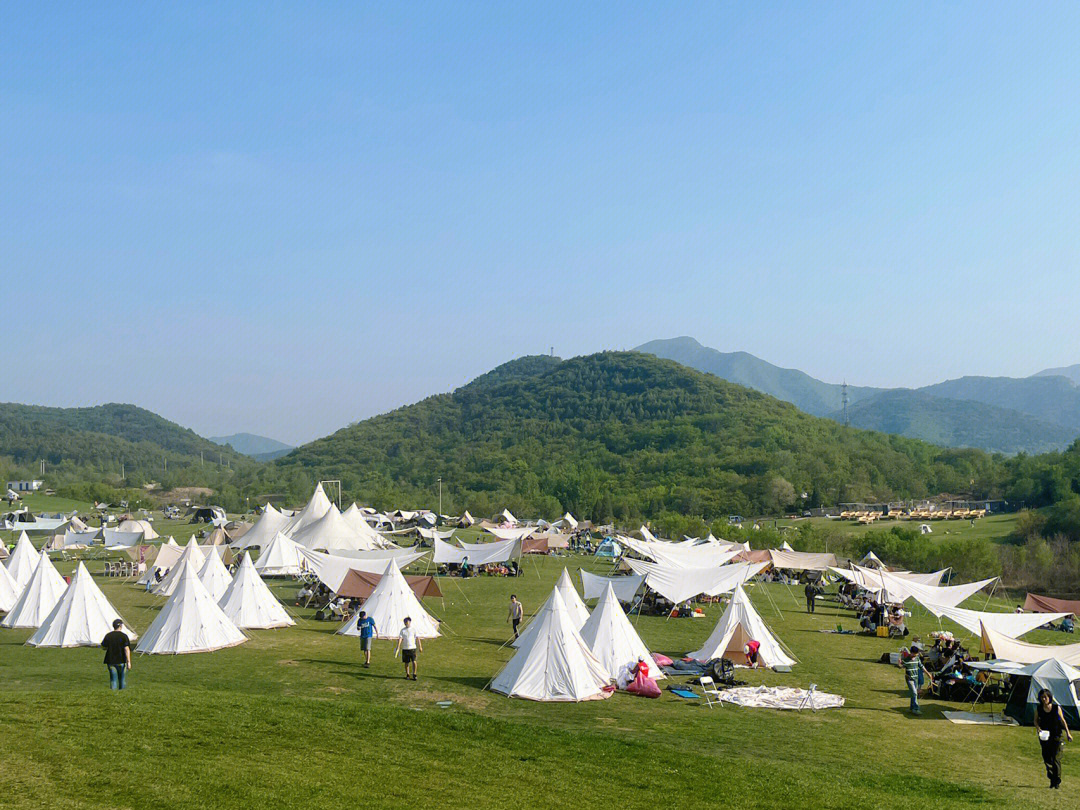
(249, 603)
(214, 576)
(23, 561)
(354, 516)
(191, 557)
(143, 527)
(556, 664)
(615, 642)
(38, 598)
(332, 532)
(279, 558)
(167, 555)
(390, 602)
(572, 605)
(190, 621)
(81, 618)
(266, 528)
(9, 590)
(318, 506)
(679, 584)
(740, 623)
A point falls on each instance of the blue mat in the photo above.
(684, 693)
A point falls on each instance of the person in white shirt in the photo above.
(408, 645)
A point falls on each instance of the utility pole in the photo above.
(440, 497)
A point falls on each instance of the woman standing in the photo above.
(1050, 723)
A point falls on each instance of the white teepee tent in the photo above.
(81, 618)
(318, 506)
(556, 664)
(250, 604)
(214, 576)
(191, 556)
(355, 518)
(390, 602)
(23, 561)
(739, 624)
(614, 641)
(270, 522)
(39, 596)
(332, 532)
(572, 604)
(190, 621)
(279, 559)
(9, 590)
(168, 553)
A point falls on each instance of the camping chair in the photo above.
(809, 698)
(708, 686)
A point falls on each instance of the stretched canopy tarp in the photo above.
(679, 555)
(680, 584)
(508, 534)
(361, 584)
(801, 560)
(332, 568)
(1047, 604)
(649, 536)
(739, 624)
(431, 534)
(499, 551)
(1012, 625)
(625, 588)
(1023, 652)
(892, 588)
(116, 539)
(446, 553)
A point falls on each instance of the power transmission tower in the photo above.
(844, 403)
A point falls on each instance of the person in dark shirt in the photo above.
(811, 591)
(1050, 721)
(117, 648)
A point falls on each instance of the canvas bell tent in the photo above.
(23, 561)
(38, 598)
(555, 664)
(280, 558)
(214, 576)
(614, 641)
(572, 604)
(389, 604)
(190, 621)
(741, 623)
(81, 618)
(249, 603)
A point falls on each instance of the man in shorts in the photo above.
(516, 612)
(408, 645)
(366, 625)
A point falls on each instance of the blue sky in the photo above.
(286, 220)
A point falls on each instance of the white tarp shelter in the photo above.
(1023, 652)
(118, 539)
(625, 587)
(81, 618)
(679, 584)
(741, 623)
(332, 568)
(801, 560)
(1012, 625)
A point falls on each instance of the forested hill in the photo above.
(625, 434)
(96, 440)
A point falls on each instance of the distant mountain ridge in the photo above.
(1000, 414)
(250, 444)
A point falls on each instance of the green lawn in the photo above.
(993, 527)
(291, 719)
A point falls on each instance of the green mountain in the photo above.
(791, 385)
(259, 447)
(952, 423)
(1053, 399)
(623, 435)
(100, 439)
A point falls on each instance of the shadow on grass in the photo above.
(471, 681)
(493, 641)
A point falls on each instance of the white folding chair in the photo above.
(809, 698)
(708, 686)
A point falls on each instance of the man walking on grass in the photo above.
(117, 648)
(366, 625)
(913, 671)
(516, 612)
(408, 645)
(811, 591)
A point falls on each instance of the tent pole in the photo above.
(772, 602)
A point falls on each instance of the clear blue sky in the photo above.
(283, 221)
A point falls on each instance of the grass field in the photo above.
(291, 719)
(993, 527)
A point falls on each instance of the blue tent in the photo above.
(609, 548)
